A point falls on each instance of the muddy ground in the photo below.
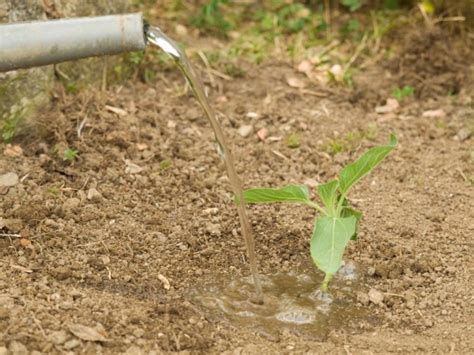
(94, 242)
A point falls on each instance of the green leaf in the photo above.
(328, 193)
(348, 212)
(330, 237)
(352, 173)
(291, 193)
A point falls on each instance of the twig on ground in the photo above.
(10, 235)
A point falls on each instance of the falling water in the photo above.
(156, 37)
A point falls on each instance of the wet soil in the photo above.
(120, 239)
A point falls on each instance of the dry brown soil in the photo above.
(102, 260)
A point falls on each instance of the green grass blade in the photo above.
(352, 173)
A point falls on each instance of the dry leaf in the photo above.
(86, 333)
(295, 82)
(116, 110)
(164, 281)
(12, 151)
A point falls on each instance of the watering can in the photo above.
(37, 43)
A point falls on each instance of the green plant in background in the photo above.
(70, 154)
(11, 123)
(353, 5)
(293, 141)
(338, 222)
(402, 93)
(211, 19)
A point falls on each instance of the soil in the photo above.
(117, 240)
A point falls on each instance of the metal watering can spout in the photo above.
(31, 44)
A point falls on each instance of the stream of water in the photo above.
(157, 38)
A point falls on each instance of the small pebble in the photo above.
(245, 130)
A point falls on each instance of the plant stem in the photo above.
(316, 207)
(325, 284)
(339, 205)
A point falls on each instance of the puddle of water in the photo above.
(291, 301)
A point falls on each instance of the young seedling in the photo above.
(337, 222)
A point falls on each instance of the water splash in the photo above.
(292, 300)
(157, 38)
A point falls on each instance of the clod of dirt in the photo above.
(94, 195)
(12, 151)
(463, 134)
(376, 297)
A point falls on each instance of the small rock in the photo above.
(370, 270)
(252, 115)
(164, 281)
(59, 337)
(376, 297)
(86, 333)
(3, 350)
(305, 66)
(295, 82)
(132, 168)
(262, 134)
(245, 130)
(94, 195)
(463, 134)
(337, 72)
(9, 180)
(17, 348)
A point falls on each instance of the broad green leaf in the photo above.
(330, 237)
(328, 194)
(348, 212)
(352, 173)
(291, 193)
